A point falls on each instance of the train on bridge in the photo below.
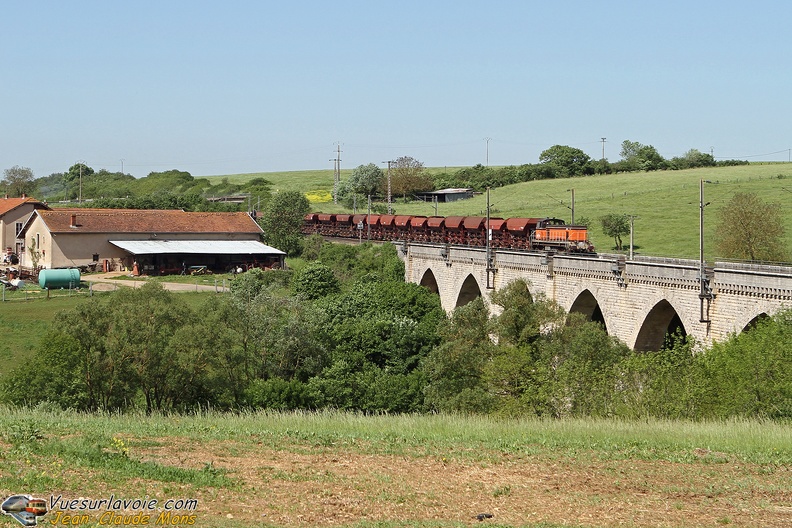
(535, 234)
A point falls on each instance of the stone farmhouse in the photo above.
(157, 241)
(14, 212)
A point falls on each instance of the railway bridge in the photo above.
(639, 300)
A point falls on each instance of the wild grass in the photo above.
(761, 442)
(45, 450)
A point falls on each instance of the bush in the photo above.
(278, 394)
(315, 281)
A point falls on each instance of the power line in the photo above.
(754, 155)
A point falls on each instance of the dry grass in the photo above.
(337, 469)
(318, 486)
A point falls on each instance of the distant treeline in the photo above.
(176, 188)
(346, 332)
(173, 189)
(562, 161)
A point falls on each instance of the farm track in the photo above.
(110, 281)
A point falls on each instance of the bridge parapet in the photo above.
(604, 267)
(466, 255)
(769, 282)
(521, 261)
(426, 252)
(676, 273)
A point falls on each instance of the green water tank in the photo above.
(59, 278)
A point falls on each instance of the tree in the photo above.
(692, 159)
(108, 184)
(567, 161)
(282, 220)
(365, 179)
(521, 319)
(616, 225)
(18, 180)
(75, 178)
(408, 177)
(364, 182)
(377, 332)
(145, 321)
(640, 157)
(750, 228)
(260, 190)
(750, 375)
(578, 361)
(455, 368)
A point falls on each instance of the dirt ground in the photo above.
(331, 487)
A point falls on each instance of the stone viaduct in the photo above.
(639, 301)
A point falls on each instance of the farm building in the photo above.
(445, 195)
(13, 214)
(158, 241)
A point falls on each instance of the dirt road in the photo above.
(111, 281)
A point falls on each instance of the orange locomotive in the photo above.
(535, 234)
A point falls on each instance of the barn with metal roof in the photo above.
(158, 241)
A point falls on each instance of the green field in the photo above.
(666, 202)
(25, 322)
(339, 469)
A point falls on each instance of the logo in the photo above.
(24, 508)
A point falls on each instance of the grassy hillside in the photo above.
(666, 202)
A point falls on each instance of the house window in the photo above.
(18, 228)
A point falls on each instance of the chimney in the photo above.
(24, 195)
(73, 220)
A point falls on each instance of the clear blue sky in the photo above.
(249, 86)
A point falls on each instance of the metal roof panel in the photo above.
(207, 247)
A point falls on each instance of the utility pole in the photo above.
(705, 292)
(389, 184)
(632, 228)
(336, 172)
(603, 149)
(491, 270)
(368, 220)
(79, 196)
(573, 206)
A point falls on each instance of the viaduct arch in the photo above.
(640, 301)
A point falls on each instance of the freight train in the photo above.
(535, 234)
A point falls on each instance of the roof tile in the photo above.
(9, 204)
(146, 221)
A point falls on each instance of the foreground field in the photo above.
(335, 469)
